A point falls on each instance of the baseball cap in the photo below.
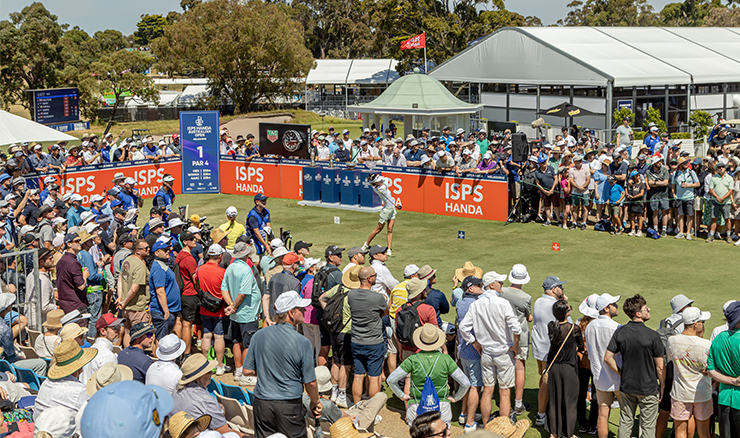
(490, 277)
(168, 178)
(108, 320)
(552, 281)
(57, 421)
(215, 250)
(333, 250)
(231, 211)
(410, 270)
(470, 280)
(70, 237)
(693, 315)
(291, 258)
(147, 407)
(276, 243)
(160, 245)
(356, 250)
(76, 197)
(604, 300)
(299, 245)
(732, 314)
(290, 300)
(377, 249)
(129, 180)
(542, 160)
(96, 198)
(679, 302)
(260, 197)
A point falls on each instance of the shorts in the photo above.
(242, 332)
(720, 209)
(551, 200)
(523, 352)
(614, 210)
(497, 368)
(661, 204)
(606, 398)
(579, 200)
(636, 208)
(341, 348)
(393, 345)
(567, 200)
(325, 336)
(215, 324)
(445, 410)
(684, 208)
(135, 316)
(665, 402)
(163, 327)
(190, 307)
(285, 416)
(681, 411)
(368, 359)
(387, 214)
(472, 370)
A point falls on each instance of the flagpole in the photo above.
(425, 52)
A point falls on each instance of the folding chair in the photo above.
(6, 366)
(235, 392)
(26, 375)
(214, 387)
(237, 414)
(29, 352)
(32, 335)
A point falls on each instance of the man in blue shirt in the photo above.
(446, 137)
(165, 295)
(333, 146)
(259, 225)
(94, 281)
(150, 150)
(469, 362)
(283, 362)
(129, 196)
(165, 197)
(74, 212)
(652, 140)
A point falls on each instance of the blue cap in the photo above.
(4, 177)
(160, 245)
(260, 197)
(633, 173)
(379, 138)
(542, 160)
(146, 409)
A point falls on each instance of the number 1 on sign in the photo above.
(200, 151)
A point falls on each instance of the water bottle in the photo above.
(318, 433)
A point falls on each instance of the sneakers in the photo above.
(237, 376)
(689, 237)
(546, 224)
(540, 421)
(388, 252)
(334, 394)
(710, 239)
(620, 231)
(729, 240)
(679, 236)
(737, 243)
(342, 400)
(565, 227)
(582, 429)
(512, 416)
(631, 233)
(462, 419)
(475, 426)
(364, 246)
(639, 233)
(248, 381)
(220, 371)
(522, 409)
(583, 226)
(592, 431)
(663, 234)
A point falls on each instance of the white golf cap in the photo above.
(276, 243)
(168, 178)
(460, 131)
(290, 300)
(693, 315)
(66, 197)
(49, 180)
(27, 229)
(231, 211)
(605, 300)
(129, 180)
(75, 197)
(215, 250)
(588, 306)
(162, 142)
(96, 198)
(311, 261)
(193, 230)
(466, 152)
(490, 277)
(410, 270)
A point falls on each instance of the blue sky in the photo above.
(94, 15)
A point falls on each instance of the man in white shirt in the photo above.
(91, 154)
(356, 258)
(385, 282)
(569, 139)
(542, 315)
(322, 150)
(164, 372)
(493, 329)
(108, 333)
(598, 334)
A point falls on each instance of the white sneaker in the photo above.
(248, 381)
(389, 252)
(238, 376)
(471, 429)
(540, 421)
(689, 237)
(639, 233)
(737, 243)
(679, 236)
(364, 246)
(334, 394)
(631, 233)
(220, 371)
(342, 400)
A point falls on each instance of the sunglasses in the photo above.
(442, 432)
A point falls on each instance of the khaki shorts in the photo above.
(135, 316)
(523, 352)
(606, 398)
(498, 368)
(393, 344)
(681, 411)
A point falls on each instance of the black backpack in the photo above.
(319, 284)
(333, 318)
(407, 321)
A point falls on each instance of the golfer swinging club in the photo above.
(387, 214)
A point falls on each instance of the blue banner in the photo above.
(200, 152)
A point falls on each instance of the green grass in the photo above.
(591, 262)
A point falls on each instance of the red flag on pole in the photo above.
(415, 42)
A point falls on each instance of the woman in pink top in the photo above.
(565, 189)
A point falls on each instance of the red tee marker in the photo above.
(555, 246)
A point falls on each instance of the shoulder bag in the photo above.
(546, 374)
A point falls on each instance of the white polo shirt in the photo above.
(598, 334)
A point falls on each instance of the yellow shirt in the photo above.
(399, 297)
(233, 232)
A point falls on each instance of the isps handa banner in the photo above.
(199, 132)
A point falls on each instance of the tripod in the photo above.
(522, 210)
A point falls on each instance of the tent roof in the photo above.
(16, 129)
(593, 56)
(416, 94)
(353, 71)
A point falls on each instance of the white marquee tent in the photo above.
(16, 129)
(352, 71)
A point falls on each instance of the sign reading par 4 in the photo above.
(199, 131)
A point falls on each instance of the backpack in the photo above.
(333, 318)
(429, 399)
(407, 321)
(667, 328)
(319, 284)
(651, 233)
(178, 278)
(603, 225)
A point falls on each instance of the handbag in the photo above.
(546, 374)
(207, 301)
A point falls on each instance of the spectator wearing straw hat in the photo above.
(429, 362)
(145, 415)
(164, 372)
(6, 339)
(46, 343)
(283, 361)
(183, 425)
(106, 375)
(416, 289)
(62, 387)
(134, 356)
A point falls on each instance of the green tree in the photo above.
(30, 54)
(149, 28)
(701, 123)
(122, 72)
(250, 51)
(653, 116)
(609, 13)
(186, 5)
(335, 28)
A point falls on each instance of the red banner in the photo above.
(415, 42)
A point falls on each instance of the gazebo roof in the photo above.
(416, 94)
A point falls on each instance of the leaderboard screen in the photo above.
(58, 105)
